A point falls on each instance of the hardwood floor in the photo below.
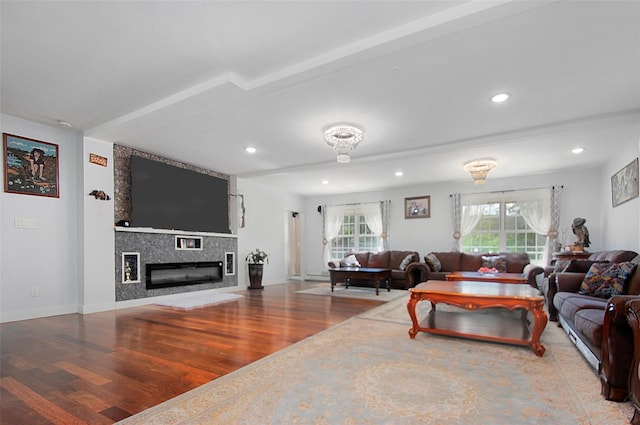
(103, 367)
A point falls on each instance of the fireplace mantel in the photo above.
(172, 232)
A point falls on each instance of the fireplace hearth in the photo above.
(165, 275)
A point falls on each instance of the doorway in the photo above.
(293, 246)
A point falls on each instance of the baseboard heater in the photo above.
(165, 275)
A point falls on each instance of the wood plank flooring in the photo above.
(103, 367)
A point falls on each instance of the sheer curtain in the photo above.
(333, 218)
(377, 218)
(466, 215)
(535, 209)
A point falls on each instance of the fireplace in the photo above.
(164, 275)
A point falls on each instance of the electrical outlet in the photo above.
(35, 291)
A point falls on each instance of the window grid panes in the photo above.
(502, 229)
(355, 235)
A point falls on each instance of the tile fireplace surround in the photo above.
(159, 246)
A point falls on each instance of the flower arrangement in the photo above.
(257, 257)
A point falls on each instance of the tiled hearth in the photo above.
(168, 246)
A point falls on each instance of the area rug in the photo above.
(367, 370)
(193, 300)
(355, 292)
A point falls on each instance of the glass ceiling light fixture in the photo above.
(479, 168)
(343, 139)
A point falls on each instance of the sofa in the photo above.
(443, 263)
(633, 318)
(596, 321)
(581, 266)
(406, 269)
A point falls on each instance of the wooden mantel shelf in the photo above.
(172, 232)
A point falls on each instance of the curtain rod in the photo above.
(507, 191)
(354, 203)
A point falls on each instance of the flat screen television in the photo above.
(173, 198)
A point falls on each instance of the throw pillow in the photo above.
(605, 280)
(406, 261)
(433, 262)
(581, 266)
(498, 262)
(349, 261)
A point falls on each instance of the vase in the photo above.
(255, 276)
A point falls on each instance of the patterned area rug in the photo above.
(355, 292)
(193, 300)
(367, 370)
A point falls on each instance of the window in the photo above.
(501, 228)
(354, 235)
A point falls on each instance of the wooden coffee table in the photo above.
(474, 295)
(370, 274)
(488, 277)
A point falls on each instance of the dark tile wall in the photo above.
(160, 248)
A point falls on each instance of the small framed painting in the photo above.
(624, 184)
(30, 166)
(417, 207)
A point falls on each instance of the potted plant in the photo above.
(256, 260)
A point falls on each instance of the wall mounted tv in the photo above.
(173, 198)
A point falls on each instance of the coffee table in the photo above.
(371, 274)
(488, 277)
(475, 295)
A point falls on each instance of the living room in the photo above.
(58, 252)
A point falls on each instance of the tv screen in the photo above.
(173, 198)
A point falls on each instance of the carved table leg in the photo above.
(540, 321)
(411, 307)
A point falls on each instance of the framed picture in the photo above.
(417, 207)
(624, 184)
(130, 267)
(30, 166)
(229, 263)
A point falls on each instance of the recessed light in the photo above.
(577, 150)
(500, 97)
(399, 174)
(325, 181)
(250, 149)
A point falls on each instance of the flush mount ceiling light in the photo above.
(500, 97)
(343, 139)
(250, 149)
(577, 150)
(479, 169)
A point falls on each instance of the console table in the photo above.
(349, 274)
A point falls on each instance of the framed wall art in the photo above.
(30, 166)
(130, 267)
(417, 207)
(624, 184)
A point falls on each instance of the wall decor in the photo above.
(229, 263)
(624, 184)
(130, 267)
(417, 207)
(30, 166)
(97, 159)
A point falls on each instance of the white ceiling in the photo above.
(200, 81)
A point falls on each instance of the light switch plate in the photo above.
(26, 223)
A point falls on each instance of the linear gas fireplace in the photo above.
(164, 275)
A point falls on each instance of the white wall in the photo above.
(45, 257)
(621, 225)
(97, 265)
(581, 197)
(265, 228)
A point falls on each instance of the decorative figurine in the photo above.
(581, 231)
